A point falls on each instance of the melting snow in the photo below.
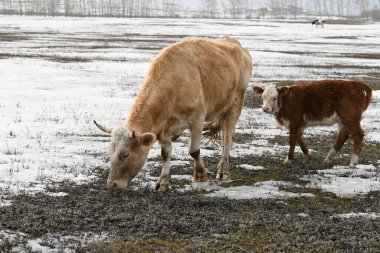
(358, 215)
(261, 190)
(346, 182)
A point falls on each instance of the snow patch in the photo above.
(358, 215)
(251, 167)
(346, 182)
(261, 190)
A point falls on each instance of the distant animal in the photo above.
(319, 103)
(197, 84)
(318, 22)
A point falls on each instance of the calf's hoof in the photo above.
(352, 165)
(326, 162)
(223, 176)
(287, 162)
(162, 187)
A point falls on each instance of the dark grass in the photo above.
(147, 221)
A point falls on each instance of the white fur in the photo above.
(333, 119)
(354, 160)
(270, 93)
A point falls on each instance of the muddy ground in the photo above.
(144, 220)
(147, 221)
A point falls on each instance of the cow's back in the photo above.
(203, 72)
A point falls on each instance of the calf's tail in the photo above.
(368, 92)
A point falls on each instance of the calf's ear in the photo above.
(283, 90)
(258, 90)
(147, 139)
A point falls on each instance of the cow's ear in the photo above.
(258, 90)
(283, 90)
(147, 139)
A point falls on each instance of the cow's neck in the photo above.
(145, 113)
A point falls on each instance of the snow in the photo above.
(358, 215)
(261, 190)
(345, 182)
(250, 167)
(60, 243)
(61, 73)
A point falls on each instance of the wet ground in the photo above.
(147, 221)
(91, 218)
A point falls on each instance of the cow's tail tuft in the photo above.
(212, 130)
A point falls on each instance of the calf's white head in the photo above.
(127, 153)
(270, 98)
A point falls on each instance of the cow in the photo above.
(318, 22)
(197, 84)
(324, 102)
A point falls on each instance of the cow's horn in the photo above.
(104, 129)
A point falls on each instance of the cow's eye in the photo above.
(123, 156)
(274, 99)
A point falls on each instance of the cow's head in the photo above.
(127, 152)
(272, 97)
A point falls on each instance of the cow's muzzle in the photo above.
(117, 184)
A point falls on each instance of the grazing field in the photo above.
(58, 74)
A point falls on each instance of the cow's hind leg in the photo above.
(166, 153)
(200, 171)
(341, 138)
(228, 129)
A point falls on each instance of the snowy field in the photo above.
(58, 74)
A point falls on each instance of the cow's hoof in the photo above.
(352, 166)
(222, 176)
(162, 187)
(200, 177)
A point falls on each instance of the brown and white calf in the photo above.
(191, 82)
(319, 103)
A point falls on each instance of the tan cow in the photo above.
(191, 82)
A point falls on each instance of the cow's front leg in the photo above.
(200, 171)
(166, 153)
(293, 138)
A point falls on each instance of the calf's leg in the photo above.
(294, 133)
(303, 146)
(357, 137)
(341, 138)
(162, 183)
